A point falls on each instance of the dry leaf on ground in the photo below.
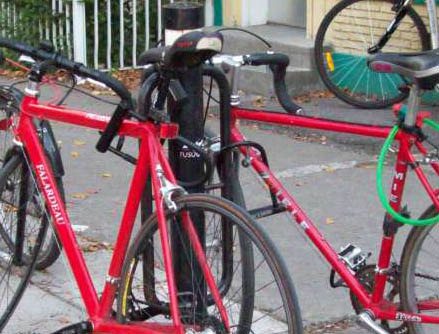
(367, 164)
(329, 169)
(80, 195)
(78, 142)
(259, 102)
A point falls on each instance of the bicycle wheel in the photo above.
(10, 99)
(20, 238)
(420, 273)
(19, 182)
(256, 290)
(346, 33)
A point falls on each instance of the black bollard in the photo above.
(180, 18)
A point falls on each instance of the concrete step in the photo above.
(259, 80)
(302, 75)
(289, 40)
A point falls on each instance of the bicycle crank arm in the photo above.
(366, 321)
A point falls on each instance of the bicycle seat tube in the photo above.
(413, 105)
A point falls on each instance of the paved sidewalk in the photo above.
(331, 176)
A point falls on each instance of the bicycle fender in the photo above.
(51, 148)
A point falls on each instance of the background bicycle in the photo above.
(355, 29)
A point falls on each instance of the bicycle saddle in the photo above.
(422, 67)
(189, 50)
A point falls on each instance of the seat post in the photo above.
(413, 105)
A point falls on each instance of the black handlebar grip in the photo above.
(257, 59)
(110, 131)
(177, 91)
(278, 63)
(280, 88)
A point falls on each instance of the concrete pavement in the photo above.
(331, 176)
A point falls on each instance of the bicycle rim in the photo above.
(420, 273)
(20, 238)
(10, 99)
(253, 282)
(341, 50)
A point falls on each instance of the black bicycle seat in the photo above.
(188, 50)
(421, 67)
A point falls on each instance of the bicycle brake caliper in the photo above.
(168, 190)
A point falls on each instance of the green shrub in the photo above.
(32, 16)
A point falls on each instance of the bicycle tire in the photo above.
(344, 70)
(130, 308)
(21, 265)
(412, 276)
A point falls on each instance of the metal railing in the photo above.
(104, 34)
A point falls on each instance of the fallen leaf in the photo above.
(64, 320)
(78, 142)
(106, 175)
(367, 164)
(259, 102)
(329, 169)
(75, 154)
(329, 221)
(80, 195)
(90, 248)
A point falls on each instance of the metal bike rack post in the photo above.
(180, 18)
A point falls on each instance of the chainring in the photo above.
(366, 277)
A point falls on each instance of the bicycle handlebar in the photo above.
(55, 59)
(278, 64)
(67, 64)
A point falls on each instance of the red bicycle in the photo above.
(230, 277)
(415, 278)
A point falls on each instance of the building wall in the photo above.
(245, 12)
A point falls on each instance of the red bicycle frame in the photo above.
(151, 161)
(375, 301)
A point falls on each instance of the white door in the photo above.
(289, 12)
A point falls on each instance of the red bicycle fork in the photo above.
(150, 157)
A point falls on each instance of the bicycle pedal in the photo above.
(83, 327)
(353, 256)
